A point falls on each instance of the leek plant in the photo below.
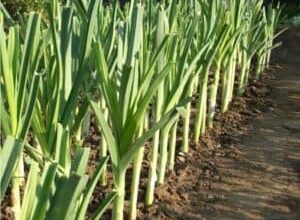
(271, 18)
(66, 67)
(236, 18)
(208, 35)
(50, 194)
(20, 76)
(128, 89)
(174, 90)
(250, 42)
(229, 37)
(274, 16)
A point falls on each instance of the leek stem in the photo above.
(213, 95)
(137, 166)
(118, 206)
(173, 138)
(163, 154)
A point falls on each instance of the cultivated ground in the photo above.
(248, 167)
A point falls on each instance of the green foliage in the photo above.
(9, 155)
(50, 195)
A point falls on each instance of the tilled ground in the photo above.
(190, 191)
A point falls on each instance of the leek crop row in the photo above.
(138, 70)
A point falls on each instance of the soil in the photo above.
(248, 166)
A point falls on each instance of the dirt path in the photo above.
(252, 169)
(270, 188)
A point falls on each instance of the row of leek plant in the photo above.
(222, 32)
(196, 41)
(136, 68)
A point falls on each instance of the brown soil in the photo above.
(248, 166)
